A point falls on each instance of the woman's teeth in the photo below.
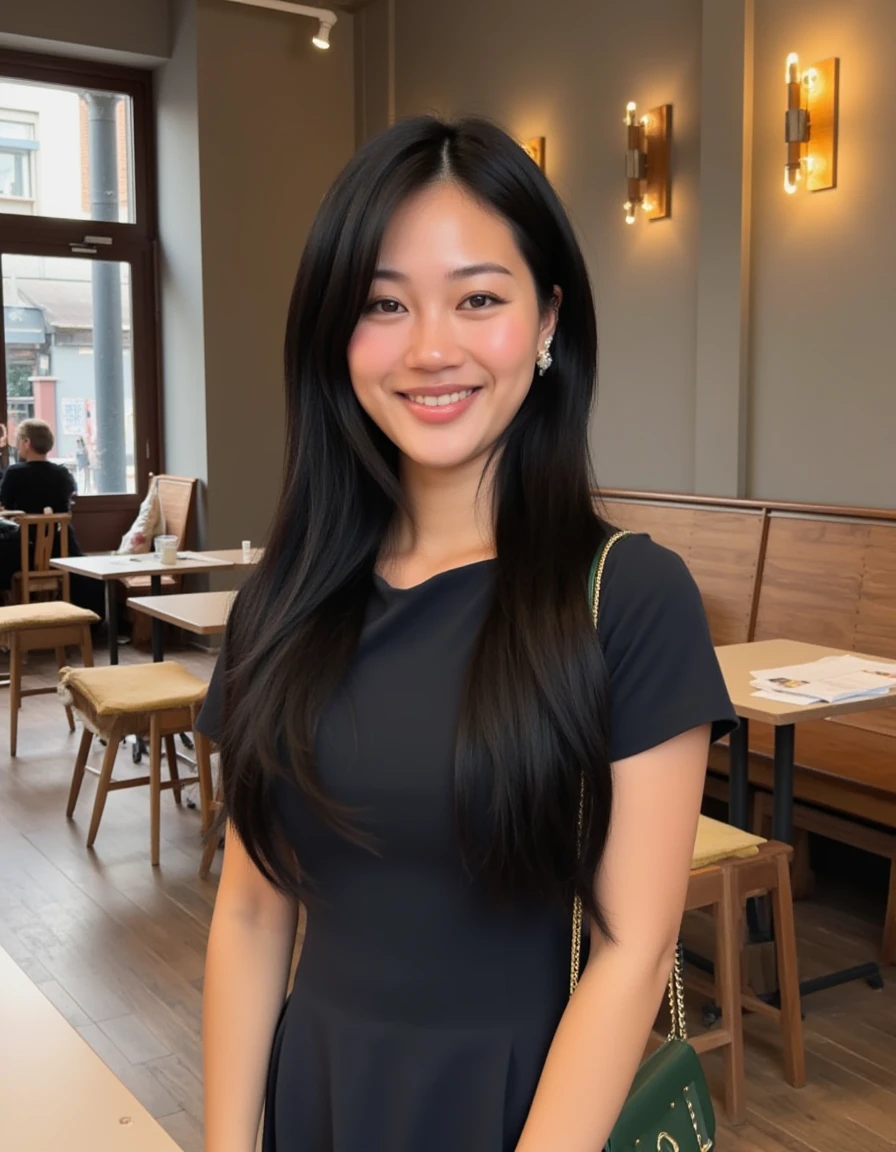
(442, 401)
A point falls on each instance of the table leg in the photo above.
(112, 619)
(738, 776)
(782, 800)
(783, 831)
(158, 626)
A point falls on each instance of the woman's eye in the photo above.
(480, 300)
(384, 307)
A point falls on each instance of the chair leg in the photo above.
(78, 775)
(208, 855)
(155, 786)
(60, 664)
(888, 948)
(102, 785)
(728, 982)
(15, 691)
(171, 757)
(788, 977)
(204, 772)
(86, 647)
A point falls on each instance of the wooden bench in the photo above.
(819, 573)
(55, 1092)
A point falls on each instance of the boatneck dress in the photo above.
(421, 1014)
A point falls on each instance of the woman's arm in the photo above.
(642, 884)
(250, 946)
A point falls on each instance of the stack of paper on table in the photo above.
(830, 680)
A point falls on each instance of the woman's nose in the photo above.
(433, 343)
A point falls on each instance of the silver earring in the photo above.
(544, 359)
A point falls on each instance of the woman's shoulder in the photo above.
(639, 564)
(644, 581)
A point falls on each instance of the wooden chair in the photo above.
(157, 701)
(728, 867)
(42, 626)
(177, 496)
(38, 535)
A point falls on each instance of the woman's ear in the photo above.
(551, 315)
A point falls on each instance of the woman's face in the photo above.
(444, 352)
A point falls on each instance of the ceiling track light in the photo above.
(325, 17)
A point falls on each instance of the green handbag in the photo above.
(668, 1108)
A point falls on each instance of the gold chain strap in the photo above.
(678, 1029)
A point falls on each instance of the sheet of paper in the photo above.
(786, 697)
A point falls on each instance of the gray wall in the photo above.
(99, 29)
(823, 356)
(276, 123)
(180, 256)
(794, 398)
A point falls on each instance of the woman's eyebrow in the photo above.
(457, 274)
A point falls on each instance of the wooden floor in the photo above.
(118, 947)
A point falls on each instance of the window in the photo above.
(77, 235)
(18, 145)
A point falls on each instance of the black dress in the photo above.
(420, 1017)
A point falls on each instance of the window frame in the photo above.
(134, 243)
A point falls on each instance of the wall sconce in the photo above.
(647, 162)
(810, 124)
(534, 149)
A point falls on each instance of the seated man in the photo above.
(33, 485)
(36, 483)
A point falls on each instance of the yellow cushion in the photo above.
(717, 841)
(134, 687)
(44, 613)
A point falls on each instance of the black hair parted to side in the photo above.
(533, 722)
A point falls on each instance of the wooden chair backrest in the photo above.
(722, 547)
(177, 496)
(38, 534)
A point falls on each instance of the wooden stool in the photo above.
(42, 626)
(157, 701)
(728, 867)
(211, 843)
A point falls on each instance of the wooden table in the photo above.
(111, 568)
(232, 556)
(203, 613)
(738, 662)
(55, 1092)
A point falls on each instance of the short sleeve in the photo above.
(663, 671)
(210, 721)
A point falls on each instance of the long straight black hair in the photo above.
(533, 722)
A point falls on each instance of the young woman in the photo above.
(411, 694)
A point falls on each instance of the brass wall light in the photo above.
(647, 162)
(534, 149)
(810, 124)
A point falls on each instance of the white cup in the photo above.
(247, 551)
(166, 546)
